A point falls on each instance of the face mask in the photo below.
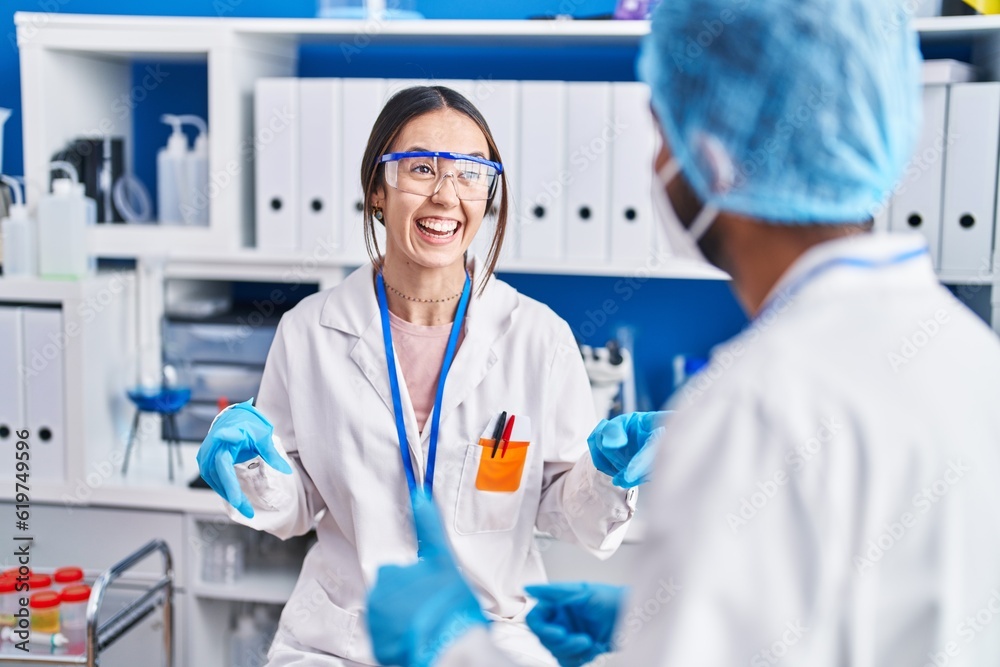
(683, 241)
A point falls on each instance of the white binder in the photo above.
(12, 417)
(590, 137)
(917, 205)
(276, 164)
(45, 400)
(631, 215)
(499, 102)
(970, 181)
(541, 211)
(362, 102)
(319, 160)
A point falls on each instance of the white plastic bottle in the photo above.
(171, 164)
(63, 217)
(195, 202)
(20, 237)
(244, 646)
(267, 627)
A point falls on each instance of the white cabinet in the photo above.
(236, 571)
(71, 389)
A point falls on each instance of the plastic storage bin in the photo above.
(194, 421)
(237, 383)
(231, 343)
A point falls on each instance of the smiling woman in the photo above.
(406, 377)
(427, 135)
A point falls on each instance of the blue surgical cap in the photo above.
(790, 111)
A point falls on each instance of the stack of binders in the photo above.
(32, 392)
(948, 191)
(577, 156)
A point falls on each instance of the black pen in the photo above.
(497, 432)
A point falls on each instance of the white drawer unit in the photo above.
(234, 343)
(210, 382)
(194, 420)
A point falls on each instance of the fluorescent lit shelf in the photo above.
(446, 31)
(38, 290)
(255, 263)
(453, 32)
(942, 28)
(147, 486)
(438, 31)
(951, 278)
(668, 268)
(126, 241)
(266, 584)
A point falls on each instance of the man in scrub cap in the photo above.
(827, 493)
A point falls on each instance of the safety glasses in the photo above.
(423, 173)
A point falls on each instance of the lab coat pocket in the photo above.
(320, 624)
(501, 473)
(490, 492)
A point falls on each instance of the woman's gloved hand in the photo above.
(624, 447)
(416, 611)
(575, 621)
(238, 434)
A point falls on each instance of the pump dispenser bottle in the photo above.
(170, 169)
(195, 206)
(63, 217)
(20, 237)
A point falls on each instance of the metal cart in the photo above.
(160, 593)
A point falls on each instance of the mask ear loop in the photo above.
(708, 213)
(669, 171)
(703, 221)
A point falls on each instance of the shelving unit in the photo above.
(72, 66)
(266, 585)
(92, 55)
(85, 58)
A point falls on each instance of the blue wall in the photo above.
(666, 317)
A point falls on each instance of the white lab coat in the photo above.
(326, 391)
(828, 490)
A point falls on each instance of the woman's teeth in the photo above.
(440, 228)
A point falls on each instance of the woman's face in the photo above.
(434, 231)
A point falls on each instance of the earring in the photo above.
(377, 213)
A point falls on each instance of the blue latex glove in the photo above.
(415, 612)
(575, 621)
(624, 447)
(238, 434)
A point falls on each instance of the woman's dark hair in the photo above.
(401, 108)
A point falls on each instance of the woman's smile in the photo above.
(438, 230)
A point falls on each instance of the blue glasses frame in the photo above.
(389, 157)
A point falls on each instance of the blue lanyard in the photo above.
(856, 262)
(397, 403)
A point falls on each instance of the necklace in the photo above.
(413, 298)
